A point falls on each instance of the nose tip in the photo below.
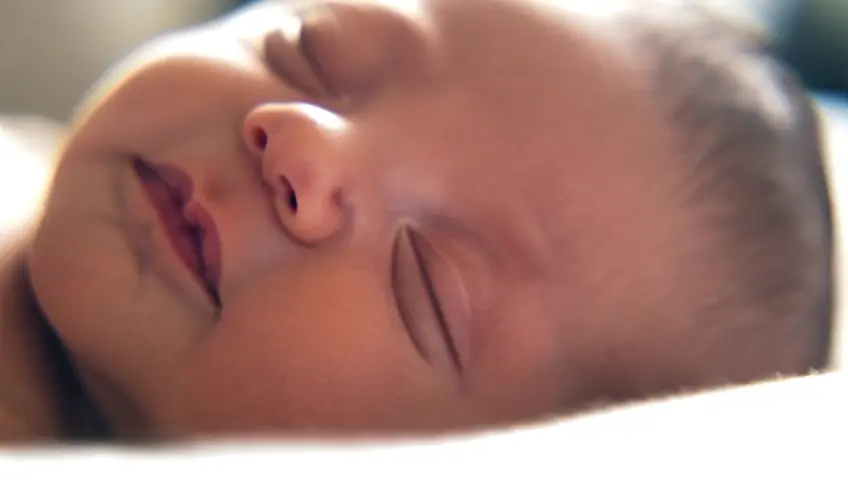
(296, 147)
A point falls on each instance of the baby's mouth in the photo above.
(186, 226)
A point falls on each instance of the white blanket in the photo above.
(835, 120)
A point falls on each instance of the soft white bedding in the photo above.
(788, 429)
(835, 120)
(24, 144)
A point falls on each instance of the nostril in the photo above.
(293, 201)
(289, 193)
(260, 138)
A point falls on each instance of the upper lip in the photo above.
(188, 225)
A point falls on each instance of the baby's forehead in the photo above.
(482, 27)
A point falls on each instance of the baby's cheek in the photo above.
(320, 366)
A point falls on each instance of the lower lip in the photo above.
(169, 203)
(211, 249)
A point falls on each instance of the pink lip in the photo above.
(189, 227)
(210, 245)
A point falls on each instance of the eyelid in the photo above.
(305, 44)
(421, 310)
(285, 56)
(420, 248)
(358, 47)
(334, 44)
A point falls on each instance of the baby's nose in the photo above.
(297, 145)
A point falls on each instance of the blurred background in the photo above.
(51, 51)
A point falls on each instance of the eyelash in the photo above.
(307, 51)
(432, 294)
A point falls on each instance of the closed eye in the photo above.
(418, 301)
(289, 56)
(433, 296)
(307, 51)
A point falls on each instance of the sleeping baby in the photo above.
(374, 217)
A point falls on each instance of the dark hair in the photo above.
(755, 182)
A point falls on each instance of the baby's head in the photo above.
(434, 214)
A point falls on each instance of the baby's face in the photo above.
(433, 215)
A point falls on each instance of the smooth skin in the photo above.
(432, 215)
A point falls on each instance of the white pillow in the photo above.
(835, 131)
